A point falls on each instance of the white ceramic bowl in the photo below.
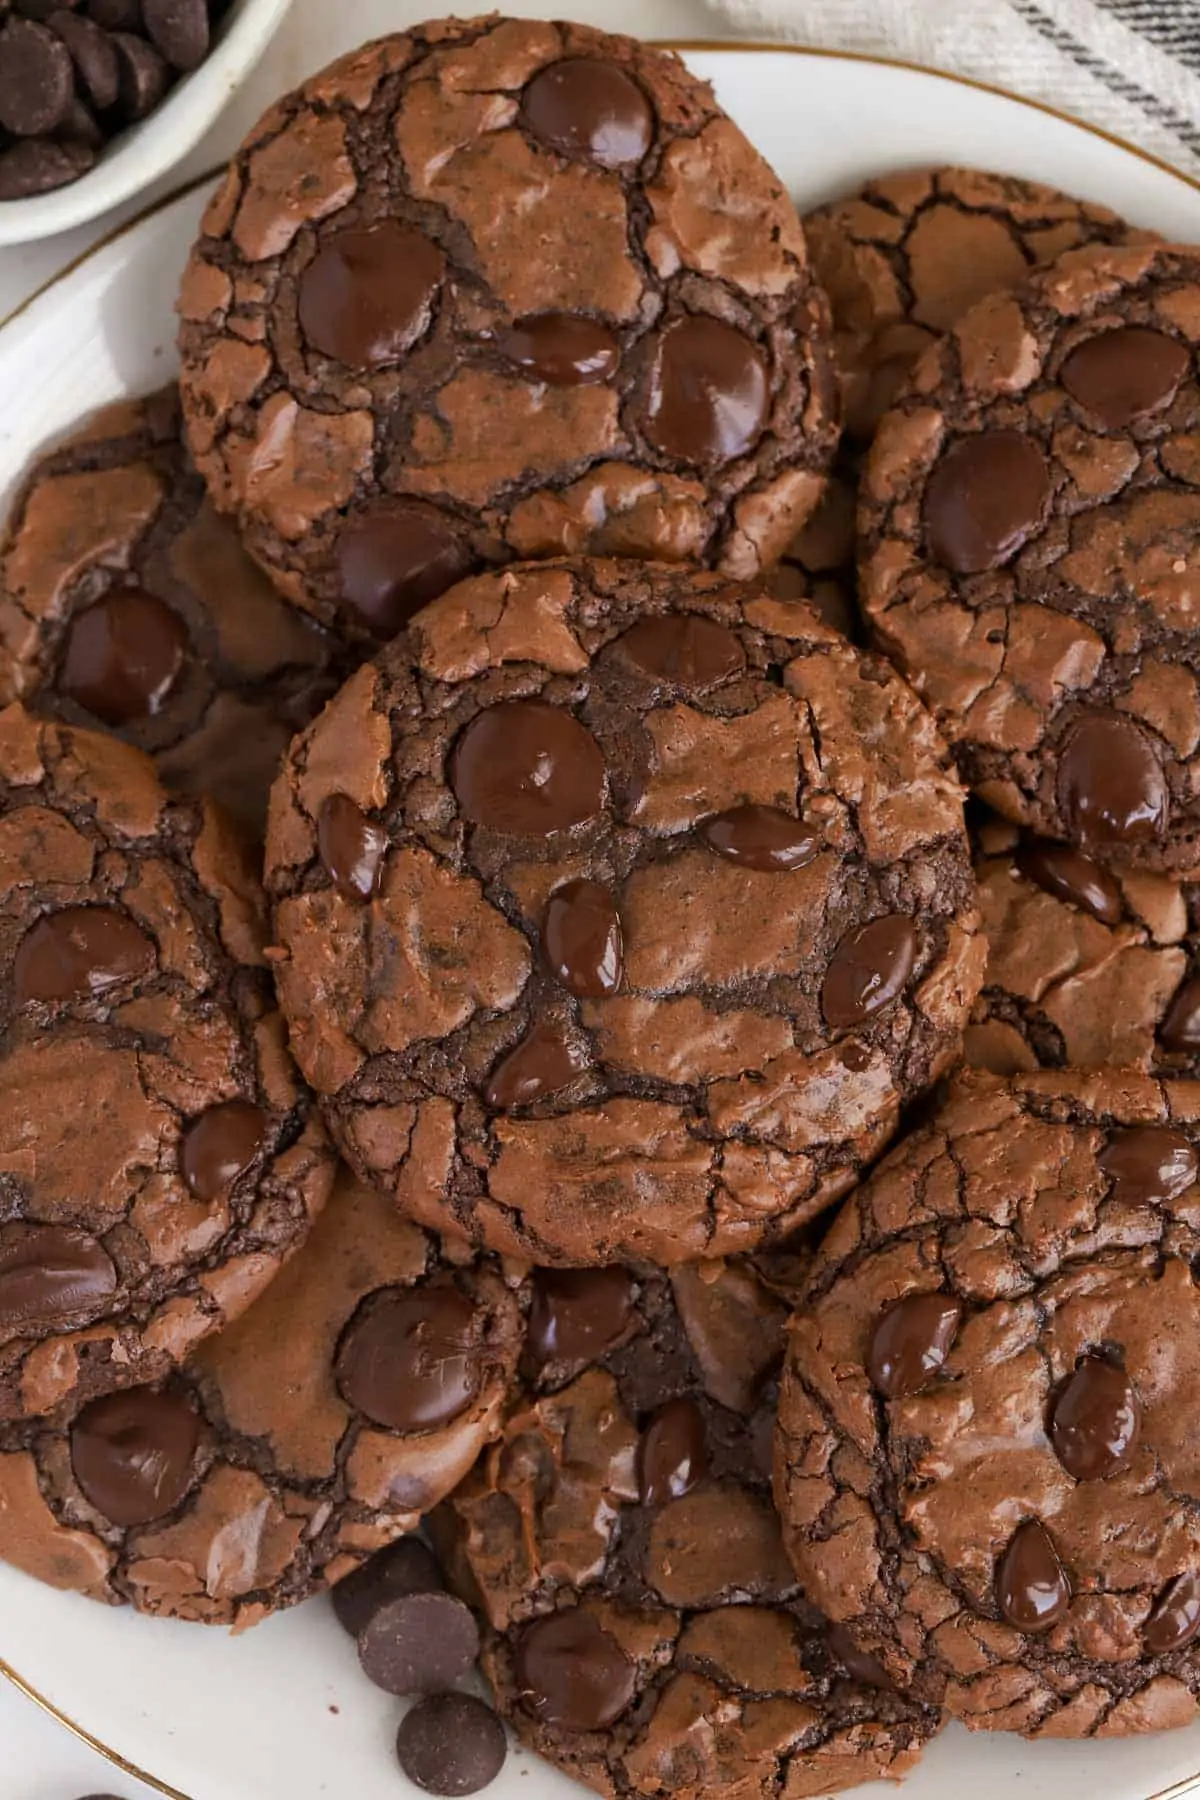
(147, 150)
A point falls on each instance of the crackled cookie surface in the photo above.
(539, 297)
(986, 1461)
(349, 1401)
(618, 910)
(127, 604)
(159, 1157)
(644, 1629)
(906, 256)
(1028, 551)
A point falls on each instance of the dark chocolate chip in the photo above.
(82, 127)
(395, 559)
(116, 15)
(368, 296)
(582, 941)
(407, 1567)
(544, 1062)
(861, 1667)
(351, 847)
(451, 1744)
(1032, 1589)
(219, 1146)
(123, 656)
(709, 395)
(529, 769)
(572, 1673)
(78, 952)
(686, 649)
(49, 1277)
(1180, 1031)
(1175, 1621)
(1073, 877)
(37, 79)
(1112, 789)
(412, 1361)
(562, 349)
(586, 107)
(868, 971)
(1123, 375)
(38, 166)
(179, 29)
(911, 1342)
(763, 838)
(1096, 1421)
(672, 1453)
(1149, 1164)
(142, 74)
(92, 53)
(578, 1314)
(984, 499)
(419, 1644)
(133, 1454)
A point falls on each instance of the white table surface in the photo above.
(39, 1760)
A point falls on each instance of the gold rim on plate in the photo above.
(1190, 1784)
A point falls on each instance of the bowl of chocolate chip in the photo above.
(99, 98)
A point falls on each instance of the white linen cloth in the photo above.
(1130, 66)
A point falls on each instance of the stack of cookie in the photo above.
(482, 880)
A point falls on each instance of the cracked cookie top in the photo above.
(618, 911)
(643, 1627)
(318, 1429)
(986, 1460)
(1028, 549)
(498, 289)
(127, 604)
(159, 1157)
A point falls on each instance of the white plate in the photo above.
(284, 1711)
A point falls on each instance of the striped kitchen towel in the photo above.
(1131, 66)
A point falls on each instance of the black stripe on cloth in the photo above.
(1175, 29)
(1185, 129)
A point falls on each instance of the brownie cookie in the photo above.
(643, 1628)
(1086, 965)
(619, 909)
(350, 1400)
(127, 604)
(159, 1160)
(907, 255)
(1029, 541)
(498, 289)
(986, 1459)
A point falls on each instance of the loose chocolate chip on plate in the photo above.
(220, 1145)
(351, 847)
(686, 649)
(133, 1454)
(545, 1061)
(1032, 1590)
(985, 497)
(672, 1452)
(92, 53)
(38, 166)
(709, 395)
(1096, 1421)
(50, 1275)
(1175, 1621)
(419, 1644)
(179, 29)
(1149, 1164)
(911, 1342)
(586, 107)
(1073, 877)
(1112, 789)
(37, 79)
(578, 1314)
(582, 941)
(1123, 375)
(562, 349)
(573, 1673)
(368, 296)
(763, 838)
(451, 1744)
(407, 1567)
(79, 952)
(143, 76)
(869, 970)
(395, 559)
(123, 656)
(1180, 1030)
(411, 1362)
(528, 768)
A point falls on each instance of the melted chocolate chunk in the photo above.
(1180, 1029)
(581, 939)
(686, 649)
(869, 970)
(1032, 1590)
(368, 296)
(578, 1314)
(673, 1453)
(133, 1454)
(543, 1063)
(1096, 1422)
(1149, 1164)
(911, 1343)
(220, 1146)
(1073, 877)
(573, 1674)
(709, 394)
(49, 1277)
(411, 1362)
(1175, 1621)
(395, 559)
(984, 499)
(123, 656)
(585, 107)
(529, 769)
(79, 953)
(562, 349)
(351, 847)
(1112, 789)
(1123, 375)
(763, 838)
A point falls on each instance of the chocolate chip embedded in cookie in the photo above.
(906, 256)
(1029, 527)
(986, 1451)
(127, 603)
(663, 910)
(541, 298)
(621, 1543)
(159, 1157)
(278, 1439)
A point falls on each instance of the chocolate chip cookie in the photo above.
(644, 1630)
(494, 289)
(903, 258)
(348, 1401)
(127, 604)
(1086, 965)
(619, 909)
(986, 1460)
(159, 1158)
(1029, 543)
